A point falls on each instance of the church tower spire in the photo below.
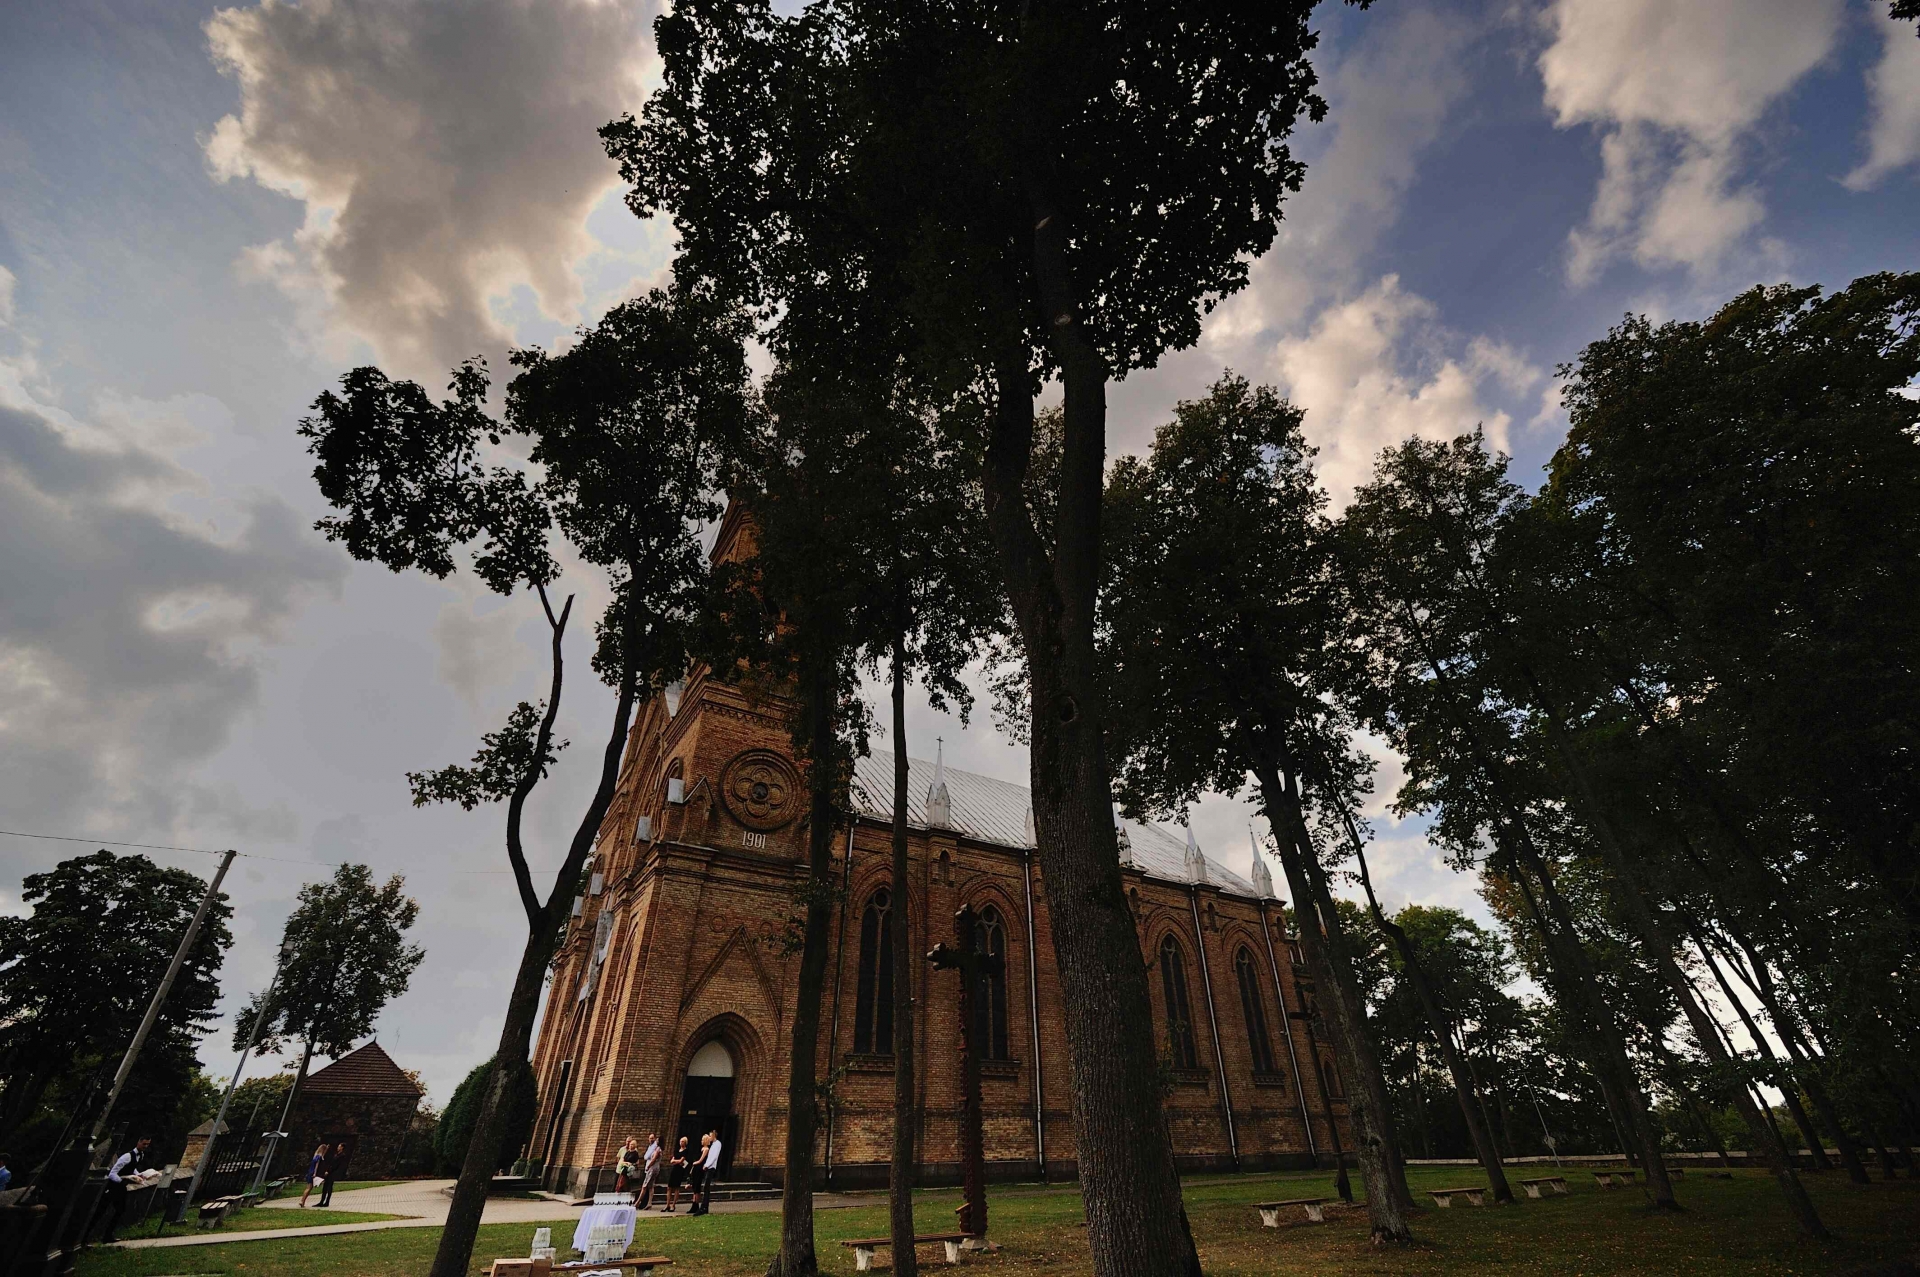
(1262, 876)
(939, 805)
(1196, 860)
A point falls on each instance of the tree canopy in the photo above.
(76, 975)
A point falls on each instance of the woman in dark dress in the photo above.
(676, 1174)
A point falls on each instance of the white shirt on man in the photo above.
(653, 1153)
(119, 1164)
(713, 1155)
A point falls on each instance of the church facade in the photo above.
(672, 995)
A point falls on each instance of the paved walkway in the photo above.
(424, 1204)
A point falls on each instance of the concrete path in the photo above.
(424, 1204)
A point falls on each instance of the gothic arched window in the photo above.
(1253, 1009)
(1330, 1078)
(873, 1005)
(1173, 986)
(990, 994)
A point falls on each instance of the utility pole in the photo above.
(206, 1152)
(59, 1234)
(159, 998)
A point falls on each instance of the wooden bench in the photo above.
(1443, 1197)
(1270, 1211)
(1676, 1172)
(542, 1267)
(1614, 1179)
(863, 1249)
(1557, 1183)
(212, 1212)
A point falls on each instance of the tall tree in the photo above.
(1045, 189)
(75, 977)
(347, 956)
(626, 429)
(933, 603)
(1440, 1019)
(1416, 543)
(1219, 624)
(790, 620)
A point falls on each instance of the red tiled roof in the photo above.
(366, 1071)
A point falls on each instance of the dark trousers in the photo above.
(326, 1190)
(706, 1188)
(114, 1203)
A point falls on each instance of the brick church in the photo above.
(672, 994)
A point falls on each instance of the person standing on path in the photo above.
(676, 1174)
(697, 1175)
(125, 1167)
(710, 1172)
(334, 1163)
(315, 1165)
(652, 1159)
(626, 1167)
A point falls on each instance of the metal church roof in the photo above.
(995, 811)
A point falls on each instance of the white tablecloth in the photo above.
(599, 1216)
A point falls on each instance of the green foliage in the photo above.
(454, 1130)
(348, 957)
(79, 971)
(406, 472)
(257, 1102)
(504, 761)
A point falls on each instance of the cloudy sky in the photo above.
(207, 214)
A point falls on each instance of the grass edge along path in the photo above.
(1729, 1227)
(256, 1221)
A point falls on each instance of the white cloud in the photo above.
(129, 631)
(445, 154)
(1893, 94)
(1676, 90)
(7, 282)
(1389, 98)
(1346, 372)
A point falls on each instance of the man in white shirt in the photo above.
(652, 1172)
(125, 1167)
(712, 1173)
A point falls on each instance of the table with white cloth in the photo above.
(601, 1217)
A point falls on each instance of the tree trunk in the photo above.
(1328, 961)
(1756, 977)
(1136, 1221)
(796, 1257)
(1789, 1083)
(1577, 983)
(1573, 976)
(455, 1252)
(900, 1179)
(1441, 1024)
(510, 1056)
(1659, 947)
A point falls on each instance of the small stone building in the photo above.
(363, 1100)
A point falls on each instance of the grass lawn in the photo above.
(348, 1185)
(1733, 1226)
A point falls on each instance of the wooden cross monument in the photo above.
(965, 956)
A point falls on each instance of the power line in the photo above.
(202, 851)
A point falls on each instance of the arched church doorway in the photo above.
(706, 1102)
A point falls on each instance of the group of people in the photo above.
(321, 1168)
(693, 1171)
